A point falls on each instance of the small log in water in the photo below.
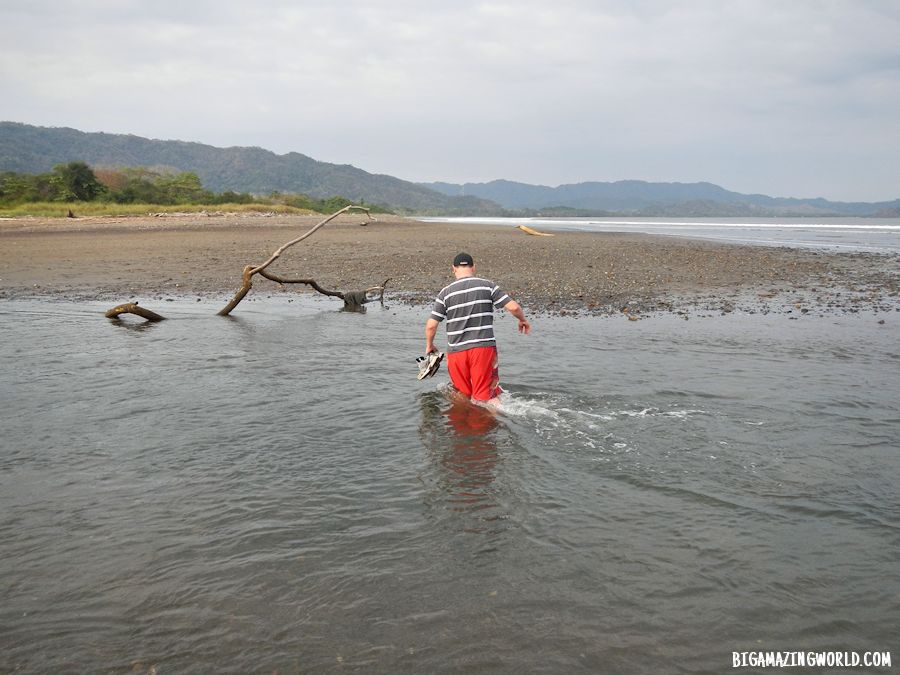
(133, 308)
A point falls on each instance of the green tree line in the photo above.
(78, 182)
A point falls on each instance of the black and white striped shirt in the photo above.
(468, 307)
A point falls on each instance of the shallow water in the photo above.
(277, 491)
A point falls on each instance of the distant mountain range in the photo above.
(31, 149)
(656, 199)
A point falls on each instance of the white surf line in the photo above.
(669, 224)
(799, 226)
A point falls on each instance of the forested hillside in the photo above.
(30, 149)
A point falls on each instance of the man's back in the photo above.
(468, 307)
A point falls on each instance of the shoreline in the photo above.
(119, 259)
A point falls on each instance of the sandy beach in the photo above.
(151, 258)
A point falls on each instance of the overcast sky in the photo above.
(783, 97)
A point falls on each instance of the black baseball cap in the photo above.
(463, 259)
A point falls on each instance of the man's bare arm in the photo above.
(515, 309)
(431, 327)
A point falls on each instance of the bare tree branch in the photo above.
(315, 229)
(309, 282)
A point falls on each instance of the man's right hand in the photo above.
(431, 327)
(516, 310)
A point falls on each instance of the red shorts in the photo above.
(475, 372)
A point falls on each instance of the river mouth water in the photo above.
(277, 491)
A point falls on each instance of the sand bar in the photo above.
(152, 258)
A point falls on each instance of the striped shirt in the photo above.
(468, 307)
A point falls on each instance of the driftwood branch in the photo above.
(132, 308)
(309, 282)
(352, 299)
(311, 232)
(250, 271)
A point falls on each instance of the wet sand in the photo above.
(153, 258)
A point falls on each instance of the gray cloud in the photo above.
(793, 99)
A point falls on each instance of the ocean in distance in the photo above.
(275, 491)
(873, 235)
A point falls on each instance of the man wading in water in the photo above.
(468, 306)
